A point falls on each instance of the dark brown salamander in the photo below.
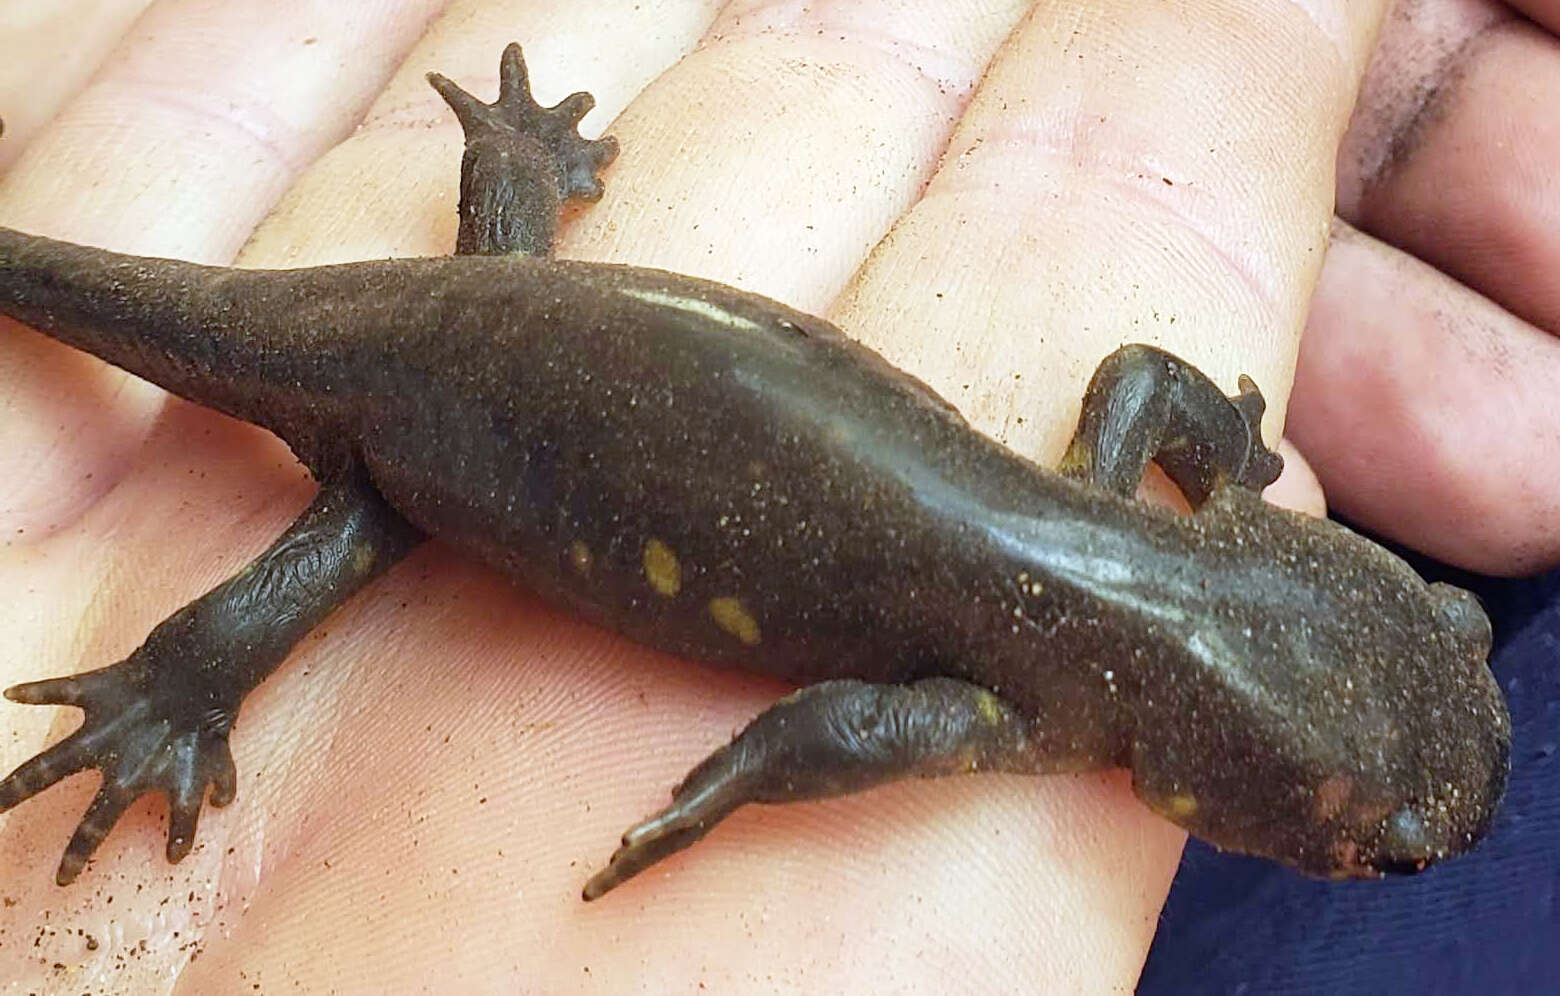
(717, 475)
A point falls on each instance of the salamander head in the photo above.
(1469, 764)
(1351, 730)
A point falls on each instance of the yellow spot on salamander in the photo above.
(733, 617)
(580, 557)
(662, 569)
(1180, 807)
(989, 707)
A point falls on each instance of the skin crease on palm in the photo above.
(993, 196)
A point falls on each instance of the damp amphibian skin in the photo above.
(719, 476)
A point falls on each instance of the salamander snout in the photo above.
(1409, 841)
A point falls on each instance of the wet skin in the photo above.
(717, 475)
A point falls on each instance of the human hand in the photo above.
(426, 785)
(1426, 391)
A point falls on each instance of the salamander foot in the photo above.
(516, 112)
(144, 736)
(522, 161)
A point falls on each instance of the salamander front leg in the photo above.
(159, 719)
(826, 740)
(1145, 404)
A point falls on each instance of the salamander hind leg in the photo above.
(158, 721)
(522, 162)
(826, 740)
(1145, 404)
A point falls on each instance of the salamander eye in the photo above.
(1463, 613)
(1404, 847)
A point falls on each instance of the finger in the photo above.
(1427, 410)
(47, 52)
(1452, 154)
(1427, 402)
(775, 81)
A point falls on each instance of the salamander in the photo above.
(717, 475)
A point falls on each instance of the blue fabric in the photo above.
(1487, 923)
